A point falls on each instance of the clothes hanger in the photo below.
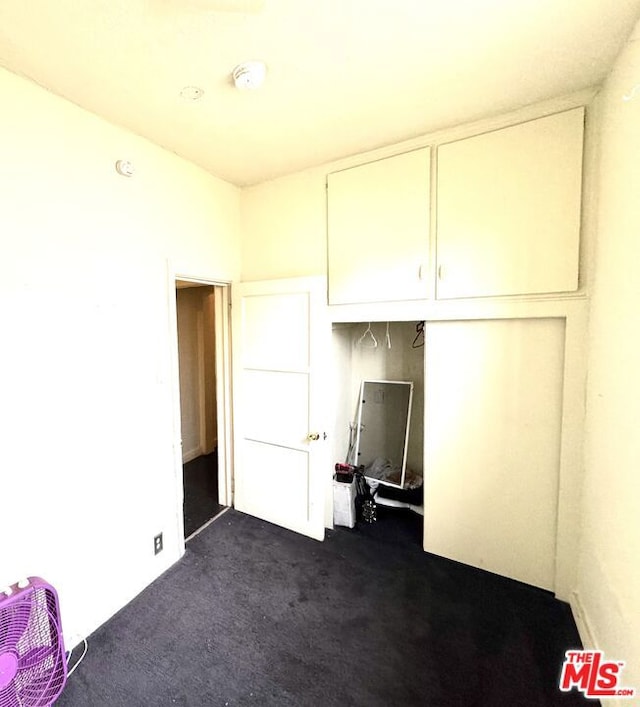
(373, 342)
(419, 334)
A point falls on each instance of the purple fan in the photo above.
(33, 668)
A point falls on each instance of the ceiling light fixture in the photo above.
(192, 93)
(249, 75)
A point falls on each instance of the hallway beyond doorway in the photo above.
(200, 492)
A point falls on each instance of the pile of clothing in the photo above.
(383, 470)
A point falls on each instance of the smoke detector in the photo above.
(125, 168)
(249, 75)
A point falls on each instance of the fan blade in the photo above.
(13, 623)
(9, 696)
(35, 656)
(41, 684)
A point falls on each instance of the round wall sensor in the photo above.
(124, 168)
(249, 75)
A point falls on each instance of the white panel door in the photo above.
(280, 336)
(492, 444)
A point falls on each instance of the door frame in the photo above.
(222, 332)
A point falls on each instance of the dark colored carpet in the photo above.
(200, 492)
(256, 615)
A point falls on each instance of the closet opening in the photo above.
(379, 424)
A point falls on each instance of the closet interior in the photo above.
(379, 407)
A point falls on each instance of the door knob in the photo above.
(313, 437)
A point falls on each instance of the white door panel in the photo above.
(269, 342)
(492, 444)
(281, 339)
(276, 484)
(272, 404)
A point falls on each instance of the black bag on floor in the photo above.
(365, 504)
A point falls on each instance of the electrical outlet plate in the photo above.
(157, 544)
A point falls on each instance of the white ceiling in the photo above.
(344, 76)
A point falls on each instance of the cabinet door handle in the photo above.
(422, 269)
(440, 272)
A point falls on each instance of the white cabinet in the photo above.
(492, 444)
(378, 230)
(508, 209)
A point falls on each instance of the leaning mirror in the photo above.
(384, 409)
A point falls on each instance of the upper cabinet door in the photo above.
(378, 230)
(508, 210)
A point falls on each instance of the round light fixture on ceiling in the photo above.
(249, 75)
(191, 93)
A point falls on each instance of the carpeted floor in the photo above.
(256, 615)
(200, 492)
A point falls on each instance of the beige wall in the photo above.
(609, 574)
(86, 371)
(284, 227)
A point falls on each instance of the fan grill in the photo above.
(31, 644)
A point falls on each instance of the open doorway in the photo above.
(201, 357)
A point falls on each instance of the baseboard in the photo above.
(191, 455)
(198, 452)
(582, 622)
(211, 448)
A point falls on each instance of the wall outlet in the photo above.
(157, 544)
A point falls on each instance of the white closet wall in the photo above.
(342, 395)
